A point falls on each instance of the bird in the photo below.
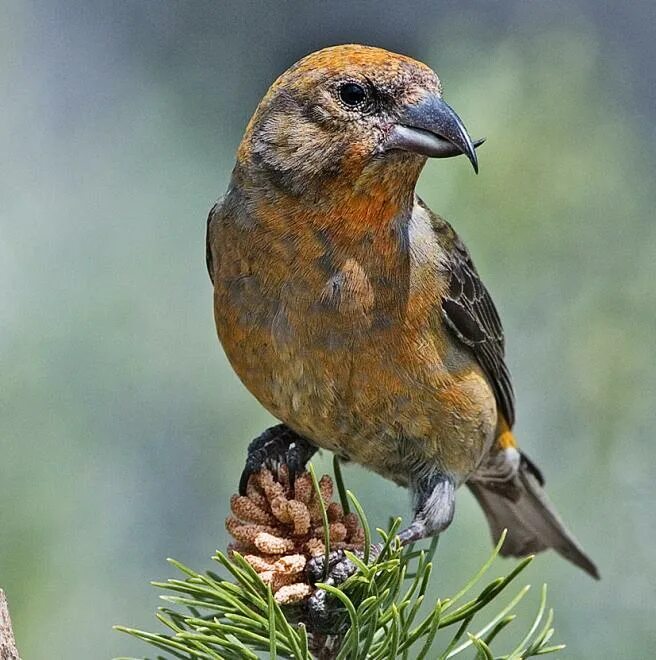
(355, 314)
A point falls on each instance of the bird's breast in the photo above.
(344, 346)
(324, 343)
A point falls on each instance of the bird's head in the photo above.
(346, 116)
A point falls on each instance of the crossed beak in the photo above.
(431, 128)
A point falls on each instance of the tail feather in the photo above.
(521, 506)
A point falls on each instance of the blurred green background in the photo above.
(122, 427)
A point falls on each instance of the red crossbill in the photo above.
(354, 313)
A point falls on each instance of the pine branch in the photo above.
(380, 612)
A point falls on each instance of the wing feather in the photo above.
(470, 314)
(209, 260)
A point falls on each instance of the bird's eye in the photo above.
(352, 94)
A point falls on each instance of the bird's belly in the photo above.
(370, 387)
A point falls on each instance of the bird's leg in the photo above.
(434, 505)
(278, 445)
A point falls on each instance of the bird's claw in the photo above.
(324, 613)
(340, 568)
(277, 446)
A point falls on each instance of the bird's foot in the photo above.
(277, 446)
(324, 613)
(340, 567)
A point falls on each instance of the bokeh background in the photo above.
(122, 427)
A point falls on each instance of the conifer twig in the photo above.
(381, 612)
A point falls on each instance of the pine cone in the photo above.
(278, 528)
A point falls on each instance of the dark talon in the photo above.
(326, 614)
(278, 445)
(340, 568)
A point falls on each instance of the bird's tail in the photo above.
(521, 506)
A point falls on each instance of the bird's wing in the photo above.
(214, 211)
(471, 316)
